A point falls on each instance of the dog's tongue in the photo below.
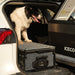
(35, 19)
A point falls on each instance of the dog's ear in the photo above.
(28, 7)
(28, 11)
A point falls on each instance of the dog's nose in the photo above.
(39, 17)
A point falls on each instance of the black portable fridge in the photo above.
(62, 36)
(36, 56)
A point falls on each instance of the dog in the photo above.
(23, 17)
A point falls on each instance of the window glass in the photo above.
(72, 17)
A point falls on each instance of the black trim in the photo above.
(66, 27)
(62, 21)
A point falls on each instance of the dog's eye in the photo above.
(30, 8)
(36, 13)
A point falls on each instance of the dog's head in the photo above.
(33, 12)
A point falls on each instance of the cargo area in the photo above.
(40, 33)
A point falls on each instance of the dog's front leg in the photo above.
(18, 32)
(25, 36)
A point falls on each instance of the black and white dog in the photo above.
(23, 17)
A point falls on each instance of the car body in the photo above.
(9, 50)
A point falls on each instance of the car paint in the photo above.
(8, 52)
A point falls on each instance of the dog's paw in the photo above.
(20, 42)
(28, 40)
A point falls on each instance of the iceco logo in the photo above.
(69, 49)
